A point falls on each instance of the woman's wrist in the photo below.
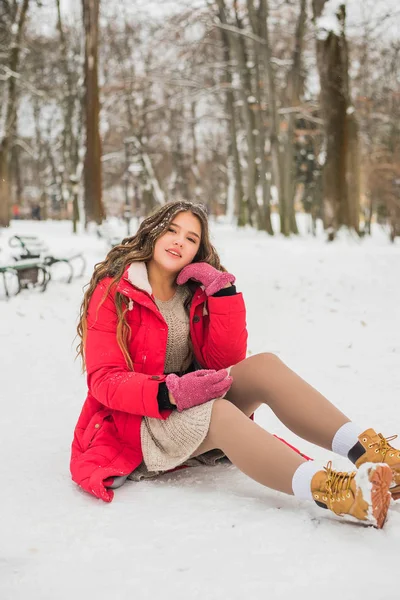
(171, 398)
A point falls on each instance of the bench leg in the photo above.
(70, 263)
(7, 292)
(46, 277)
(83, 268)
(5, 284)
(71, 272)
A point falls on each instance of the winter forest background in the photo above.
(252, 107)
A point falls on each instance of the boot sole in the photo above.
(395, 491)
(380, 480)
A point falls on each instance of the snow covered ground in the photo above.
(330, 311)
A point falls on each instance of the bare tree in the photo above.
(293, 100)
(17, 12)
(239, 51)
(264, 216)
(272, 94)
(240, 205)
(71, 103)
(226, 113)
(340, 173)
(92, 166)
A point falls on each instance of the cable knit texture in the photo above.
(178, 357)
(169, 443)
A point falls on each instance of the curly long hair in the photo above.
(140, 248)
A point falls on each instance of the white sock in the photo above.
(345, 438)
(301, 482)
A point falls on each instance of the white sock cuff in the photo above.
(345, 438)
(301, 482)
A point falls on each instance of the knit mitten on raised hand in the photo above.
(198, 387)
(212, 279)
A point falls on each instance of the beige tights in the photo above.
(265, 379)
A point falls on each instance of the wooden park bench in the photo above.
(26, 273)
(29, 247)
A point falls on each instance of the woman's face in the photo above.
(178, 246)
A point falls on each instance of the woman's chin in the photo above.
(171, 267)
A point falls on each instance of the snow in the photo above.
(322, 158)
(328, 21)
(331, 311)
(380, 18)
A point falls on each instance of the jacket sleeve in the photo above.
(109, 379)
(225, 332)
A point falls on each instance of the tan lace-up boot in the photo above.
(362, 494)
(373, 447)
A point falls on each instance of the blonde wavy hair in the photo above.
(140, 248)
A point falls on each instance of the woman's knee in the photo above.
(255, 364)
(265, 358)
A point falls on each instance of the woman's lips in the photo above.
(177, 255)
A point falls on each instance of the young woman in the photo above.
(163, 339)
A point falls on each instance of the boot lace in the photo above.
(384, 447)
(338, 484)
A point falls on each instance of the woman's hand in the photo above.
(212, 279)
(197, 387)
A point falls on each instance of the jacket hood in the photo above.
(135, 279)
(137, 275)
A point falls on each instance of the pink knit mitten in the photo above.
(212, 279)
(198, 387)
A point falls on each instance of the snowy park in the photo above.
(128, 128)
(330, 311)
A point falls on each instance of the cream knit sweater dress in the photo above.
(169, 443)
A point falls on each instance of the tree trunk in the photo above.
(353, 169)
(4, 185)
(240, 210)
(92, 166)
(249, 119)
(10, 117)
(16, 175)
(194, 166)
(293, 99)
(277, 158)
(340, 184)
(71, 141)
(68, 99)
(238, 50)
(264, 214)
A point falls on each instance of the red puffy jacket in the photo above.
(107, 436)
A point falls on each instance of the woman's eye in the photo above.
(171, 229)
(192, 240)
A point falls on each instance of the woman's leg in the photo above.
(364, 494)
(249, 447)
(265, 379)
